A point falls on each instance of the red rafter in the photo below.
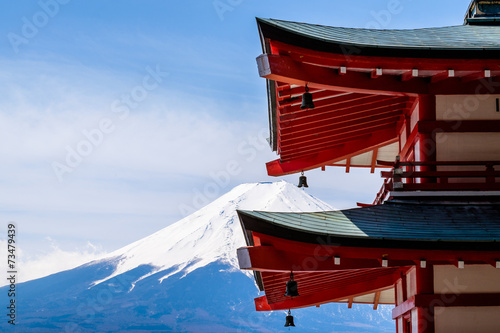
(334, 121)
(322, 288)
(347, 107)
(327, 156)
(334, 141)
(326, 103)
(297, 100)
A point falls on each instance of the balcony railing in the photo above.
(439, 176)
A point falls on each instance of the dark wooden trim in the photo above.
(465, 126)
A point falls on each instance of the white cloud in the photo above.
(53, 260)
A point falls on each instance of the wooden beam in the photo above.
(476, 76)
(374, 160)
(450, 73)
(329, 59)
(403, 308)
(345, 107)
(463, 126)
(300, 144)
(295, 130)
(408, 75)
(270, 259)
(330, 295)
(410, 143)
(285, 69)
(472, 256)
(327, 156)
(341, 100)
(296, 101)
(376, 73)
(377, 300)
(354, 113)
(282, 87)
(349, 304)
(334, 140)
(289, 92)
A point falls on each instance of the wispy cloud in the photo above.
(53, 260)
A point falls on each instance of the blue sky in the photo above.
(162, 103)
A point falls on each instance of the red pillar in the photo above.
(425, 285)
(427, 141)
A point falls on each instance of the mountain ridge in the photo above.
(213, 232)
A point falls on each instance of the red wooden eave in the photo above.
(327, 155)
(360, 271)
(354, 96)
(319, 288)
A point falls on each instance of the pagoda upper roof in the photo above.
(364, 83)
(477, 41)
(391, 225)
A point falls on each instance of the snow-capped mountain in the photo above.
(213, 233)
(183, 278)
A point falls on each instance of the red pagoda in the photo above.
(425, 105)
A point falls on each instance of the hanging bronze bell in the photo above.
(302, 181)
(291, 288)
(289, 320)
(307, 100)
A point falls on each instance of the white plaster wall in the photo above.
(466, 107)
(467, 320)
(399, 289)
(402, 137)
(468, 146)
(411, 282)
(449, 279)
(414, 320)
(414, 117)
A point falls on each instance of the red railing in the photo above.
(439, 176)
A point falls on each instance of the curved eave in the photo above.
(363, 82)
(458, 42)
(354, 228)
(342, 255)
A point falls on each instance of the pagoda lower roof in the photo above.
(478, 42)
(405, 225)
(357, 255)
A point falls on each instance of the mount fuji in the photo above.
(183, 278)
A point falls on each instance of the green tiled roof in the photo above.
(389, 222)
(445, 39)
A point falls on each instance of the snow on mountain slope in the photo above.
(213, 233)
